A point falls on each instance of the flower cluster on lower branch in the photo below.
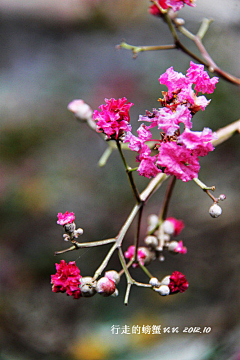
(68, 279)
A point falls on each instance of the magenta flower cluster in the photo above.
(177, 154)
(66, 218)
(114, 118)
(67, 279)
(175, 5)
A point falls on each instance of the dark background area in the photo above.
(48, 164)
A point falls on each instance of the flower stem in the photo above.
(129, 174)
(78, 245)
(105, 262)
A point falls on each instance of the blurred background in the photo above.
(52, 52)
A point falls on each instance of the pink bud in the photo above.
(105, 286)
(80, 109)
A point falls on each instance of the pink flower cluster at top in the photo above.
(177, 153)
(66, 218)
(175, 5)
(67, 279)
(140, 254)
(178, 282)
(114, 118)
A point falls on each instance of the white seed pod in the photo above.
(163, 290)
(165, 280)
(215, 210)
(151, 241)
(168, 227)
(87, 286)
(113, 275)
(105, 286)
(172, 246)
(80, 109)
(154, 281)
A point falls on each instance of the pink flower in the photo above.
(67, 279)
(174, 4)
(180, 248)
(114, 118)
(201, 79)
(178, 4)
(178, 225)
(199, 141)
(174, 80)
(178, 282)
(178, 161)
(130, 253)
(154, 10)
(66, 218)
(148, 168)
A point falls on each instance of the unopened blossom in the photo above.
(178, 282)
(67, 279)
(105, 286)
(173, 226)
(80, 109)
(201, 79)
(113, 119)
(66, 218)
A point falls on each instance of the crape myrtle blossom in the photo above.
(178, 282)
(66, 218)
(200, 78)
(114, 118)
(175, 5)
(178, 154)
(67, 279)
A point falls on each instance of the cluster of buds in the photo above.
(170, 284)
(67, 221)
(105, 286)
(161, 237)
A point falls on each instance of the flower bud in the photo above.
(151, 241)
(168, 227)
(70, 228)
(163, 290)
(172, 245)
(152, 222)
(87, 286)
(222, 197)
(165, 280)
(215, 210)
(154, 281)
(105, 286)
(80, 109)
(112, 275)
(179, 21)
